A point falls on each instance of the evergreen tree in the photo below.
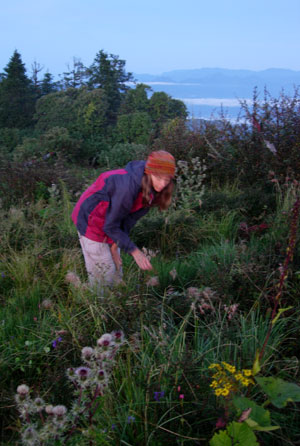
(108, 72)
(48, 85)
(76, 76)
(35, 69)
(16, 95)
(136, 100)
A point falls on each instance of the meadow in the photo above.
(204, 350)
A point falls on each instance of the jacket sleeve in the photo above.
(132, 219)
(122, 194)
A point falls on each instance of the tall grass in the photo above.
(171, 340)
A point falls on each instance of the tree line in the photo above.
(88, 108)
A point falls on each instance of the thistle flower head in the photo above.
(153, 281)
(105, 341)
(30, 435)
(101, 375)
(47, 304)
(59, 411)
(39, 404)
(83, 373)
(49, 409)
(23, 390)
(87, 353)
(118, 336)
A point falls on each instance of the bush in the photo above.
(120, 154)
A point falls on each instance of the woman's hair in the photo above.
(161, 199)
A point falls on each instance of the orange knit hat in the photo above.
(160, 163)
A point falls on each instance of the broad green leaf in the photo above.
(280, 392)
(258, 414)
(220, 439)
(241, 434)
(282, 310)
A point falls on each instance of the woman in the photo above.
(112, 205)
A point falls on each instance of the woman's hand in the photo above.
(116, 256)
(141, 259)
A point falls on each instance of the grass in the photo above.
(171, 339)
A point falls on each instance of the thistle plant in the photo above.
(45, 424)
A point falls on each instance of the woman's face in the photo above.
(159, 182)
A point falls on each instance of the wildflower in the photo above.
(218, 392)
(231, 310)
(181, 396)
(102, 376)
(49, 409)
(215, 366)
(230, 368)
(238, 376)
(87, 353)
(153, 281)
(130, 419)
(193, 292)
(225, 392)
(83, 373)
(159, 395)
(30, 436)
(39, 404)
(245, 382)
(178, 389)
(56, 341)
(2, 275)
(72, 278)
(247, 372)
(173, 273)
(59, 411)
(220, 423)
(113, 427)
(214, 384)
(105, 341)
(23, 390)
(47, 304)
(118, 336)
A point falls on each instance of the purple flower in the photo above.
(113, 427)
(56, 341)
(130, 419)
(159, 395)
(2, 275)
(83, 372)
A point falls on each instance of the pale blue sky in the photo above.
(153, 36)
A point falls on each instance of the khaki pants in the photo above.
(99, 263)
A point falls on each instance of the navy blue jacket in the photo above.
(111, 206)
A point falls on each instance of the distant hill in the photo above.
(221, 82)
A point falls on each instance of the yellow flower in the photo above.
(214, 384)
(214, 366)
(247, 372)
(238, 376)
(228, 367)
(218, 392)
(245, 382)
(225, 392)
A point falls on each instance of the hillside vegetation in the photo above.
(203, 350)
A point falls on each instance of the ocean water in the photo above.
(199, 104)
